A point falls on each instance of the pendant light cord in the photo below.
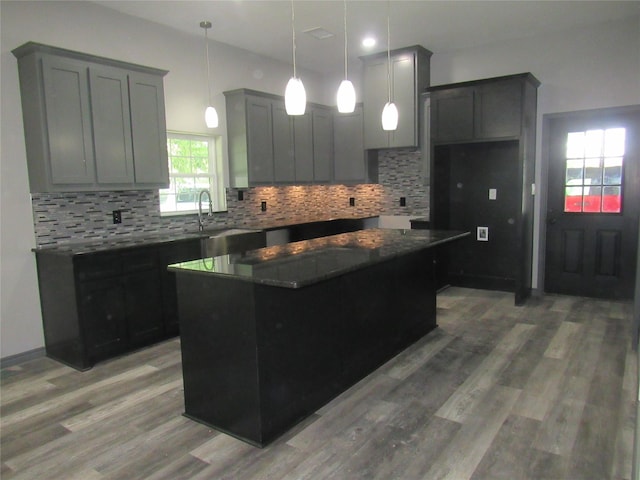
(345, 40)
(293, 30)
(388, 51)
(206, 45)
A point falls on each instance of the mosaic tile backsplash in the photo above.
(71, 217)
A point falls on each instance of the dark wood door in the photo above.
(593, 203)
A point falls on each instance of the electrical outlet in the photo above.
(117, 216)
(263, 206)
(403, 201)
(352, 202)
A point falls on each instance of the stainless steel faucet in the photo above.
(200, 224)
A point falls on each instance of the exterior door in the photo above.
(593, 203)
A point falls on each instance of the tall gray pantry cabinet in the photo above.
(91, 123)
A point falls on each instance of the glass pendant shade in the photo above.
(390, 116)
(346, 97)
(295, 98)
(211, 117)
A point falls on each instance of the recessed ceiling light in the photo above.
(319, 33)
(368, 42)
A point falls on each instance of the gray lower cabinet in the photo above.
(269, 147)
(91, 123)
(409, 76)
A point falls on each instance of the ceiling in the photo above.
(264, 26)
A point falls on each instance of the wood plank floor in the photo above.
(544, 391)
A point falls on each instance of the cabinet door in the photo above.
(498, 110)
(283, 152)
(259, 140)
(102, 312)
(111, 125)
(303, 146)
(452, 112)
(169, 254)
(66, 92)
(143, 306)
(375, 95)
(349, 159)
(322, 145)
(148, 129)
(404, 96)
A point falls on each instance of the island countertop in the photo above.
(299, 264)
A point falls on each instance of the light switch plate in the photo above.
(493, 194)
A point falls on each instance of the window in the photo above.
(194, 165)
(593, 179)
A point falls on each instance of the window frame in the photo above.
(217, 188)
(602, 184)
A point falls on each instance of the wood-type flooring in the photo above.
(544, 391)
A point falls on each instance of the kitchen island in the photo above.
(270, 335)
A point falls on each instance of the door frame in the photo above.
(545, 159)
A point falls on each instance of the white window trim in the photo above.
(216, 175)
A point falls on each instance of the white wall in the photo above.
(91, 28)
(581, 69)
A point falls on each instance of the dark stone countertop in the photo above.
(154, 238)
(303, 263)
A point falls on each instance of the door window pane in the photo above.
(593, 178)
(611, 199)
(614, 142)
(591, 199)
(613, 171)
(574, 172)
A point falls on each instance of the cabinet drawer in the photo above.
(139, 260)
(98, 266)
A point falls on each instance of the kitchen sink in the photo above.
(232, 240)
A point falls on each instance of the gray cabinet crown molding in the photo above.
(33, 47)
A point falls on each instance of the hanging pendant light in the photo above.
(390, 111)
(295, 98)
(210, 114)
(346, 92)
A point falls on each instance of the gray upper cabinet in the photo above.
(283, 147)
(348, 139)
(250, 138)
(269, 147)
(65, 97)
(111, 117)
(258, 143)
(322, 144)
(303, 146)
(91, 123)
(149, 129)
(409, 78)
(479, 110)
